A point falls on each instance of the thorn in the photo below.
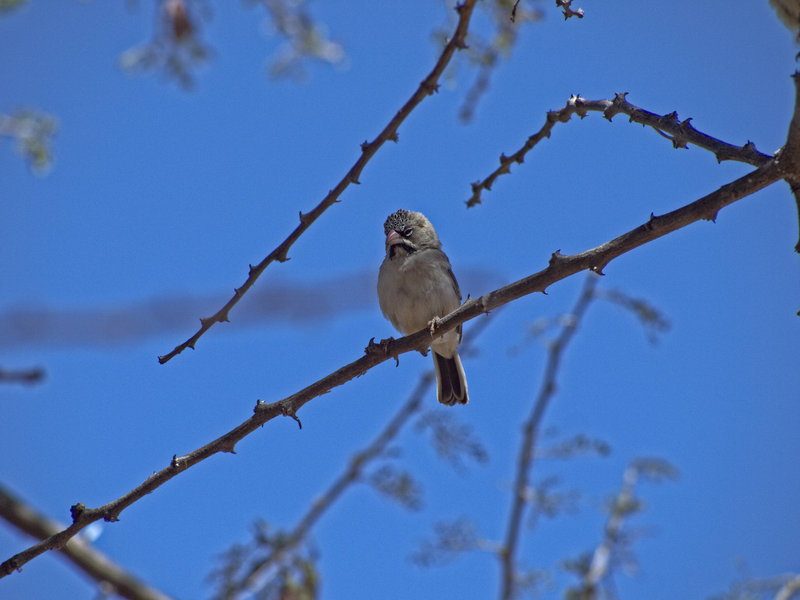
(205, 322)
(556, 257)
(288, 411)
(430, 88)
(598, 269)
(393, 137)
(251, 271)
(229, 448)
(76, 510)
(364, 146)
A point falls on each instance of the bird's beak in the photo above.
(393, 238)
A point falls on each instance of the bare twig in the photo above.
(109, 575)
(521, 491)
(679, 132)
(428, 86)
(560, 267)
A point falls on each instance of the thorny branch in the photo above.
(428, 86)
(560, 267)
(521, 491)
(110, 576)
(679, 132)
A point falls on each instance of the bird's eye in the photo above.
(408, 231)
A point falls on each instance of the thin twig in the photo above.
(560, 267)
(87, 558)
(428, 86)
(521, 491)
(679, 132)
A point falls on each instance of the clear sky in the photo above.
(159, 198)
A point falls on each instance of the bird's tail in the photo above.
(451, 383)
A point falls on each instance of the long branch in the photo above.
(560, 267)
(85, 557)
(428, 86)
(521, 491)
(679, 132)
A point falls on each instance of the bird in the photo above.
(416, 286)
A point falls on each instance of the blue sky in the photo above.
(160, 197)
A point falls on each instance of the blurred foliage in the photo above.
(453, 440)
(304, 38)
(272, 566)
(176, 48)
(651, 319)
(397, 485)
(33, 132)
(747, 587)
(9, 5)
(595, 569)
(578, 444)
(490, 41)
(450, 538)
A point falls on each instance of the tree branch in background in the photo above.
(428, 86)
(247, 570)
(111, 578)
(485, 54)
(789, 589)
(25, 376)
(560, 267)
(597, 568)
(521, 494)
(679, 132)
